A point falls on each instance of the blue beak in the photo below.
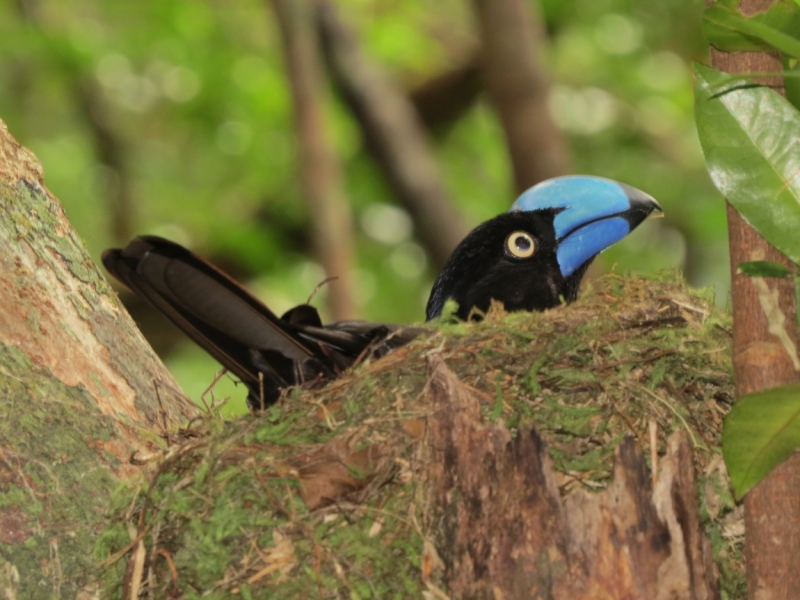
(595, 214)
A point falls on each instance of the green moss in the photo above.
(58, 486)
(585, 376)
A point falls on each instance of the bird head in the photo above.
(534, 257)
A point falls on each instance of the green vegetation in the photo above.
(195, 97)
(228, 506)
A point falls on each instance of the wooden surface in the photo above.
(506, 532)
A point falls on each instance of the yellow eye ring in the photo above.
(520, 244)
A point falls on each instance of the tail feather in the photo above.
(266, 352)
(212, 309)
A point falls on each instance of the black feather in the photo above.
(266, 352)
(481, 268)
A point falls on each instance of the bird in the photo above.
(535, 256)
(531, 258)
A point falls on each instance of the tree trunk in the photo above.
(761, 361)
(507, 532)
(328, 210)
(519, 90)
(82, 391)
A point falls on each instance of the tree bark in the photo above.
(519, 90)
(506, 532)
(395, 136)
(444, 98)
(328, 209)
(761, 360)
(82, 392)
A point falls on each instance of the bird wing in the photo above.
(266, 352)
(352, 338)
(216, 312)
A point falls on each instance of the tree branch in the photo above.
(443, 99)
(328, 209)
(519, 90)
(394, 136)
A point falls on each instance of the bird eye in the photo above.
(520, 244)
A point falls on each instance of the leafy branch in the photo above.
(749, 134)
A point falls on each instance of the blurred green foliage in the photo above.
(200, 105)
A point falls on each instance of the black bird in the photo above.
(532, 258)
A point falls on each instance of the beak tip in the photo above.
(649, 205)
(642, 203)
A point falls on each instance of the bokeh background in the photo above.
(175, 118)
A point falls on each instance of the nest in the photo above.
(324, 494)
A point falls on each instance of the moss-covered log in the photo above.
(398, 480)
(81, 391)
(505, 527)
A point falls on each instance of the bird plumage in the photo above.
(268, 353)
(532, 258)
(483, 267)
(569, 220)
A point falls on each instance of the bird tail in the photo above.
(267, 353)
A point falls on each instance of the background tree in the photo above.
(765, 334)
(196, 99)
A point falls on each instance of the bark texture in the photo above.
(762, 306)
(82, 392)
(507, 533)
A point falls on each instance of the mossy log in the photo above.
(511, 458)
(505, 527)
(504, 459)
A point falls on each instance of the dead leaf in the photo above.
(335, 470)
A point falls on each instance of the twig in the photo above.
(652, 427)
(631, 361)
(210, 389)
(319, 287)
(172, 570)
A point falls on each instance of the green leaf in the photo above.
(776, 29)
(759, 433)
(764, 268)
(791, 80)
(749, 136)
